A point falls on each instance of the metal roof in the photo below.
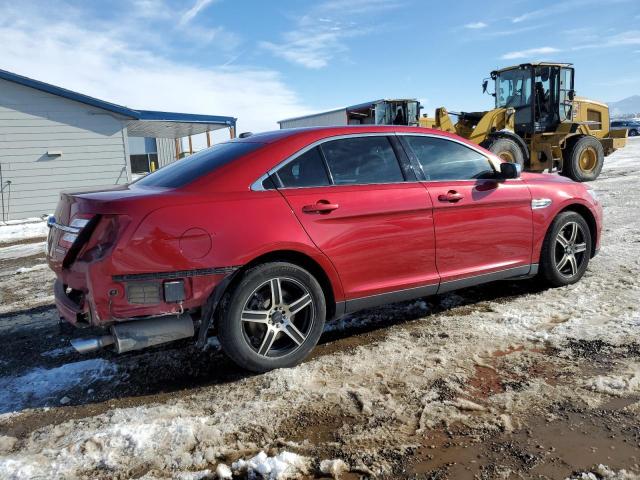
(533, 64)
(358, 106)
(143, 123)
(350, 108)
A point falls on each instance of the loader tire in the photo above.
(505, 148)
(583, 159)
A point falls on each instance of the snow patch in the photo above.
(603, 472)
(41, 386)
(58, 352)
(23, 250)
(223, 472)
(7, 443)
(35, 268)
(335, 467)
(14, 231)
(280, 467)
(617, 385)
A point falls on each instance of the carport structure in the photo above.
(54, 139)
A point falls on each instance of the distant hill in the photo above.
(629, 106)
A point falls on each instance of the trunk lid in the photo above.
(78, 214)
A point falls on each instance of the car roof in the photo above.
(323, 132)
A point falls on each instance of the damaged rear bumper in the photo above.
(73, 310)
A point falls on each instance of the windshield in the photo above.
(194, 166)
(513, 88)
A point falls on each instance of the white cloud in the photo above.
(518, 30)
(321, 34)
(631, 37)
(476, 25)
(628, 38)
(194, 10)
(566, 6)
(532, 52)
(151, 9)
(103, 61)
(313, 44)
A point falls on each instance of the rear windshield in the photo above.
(194, 166)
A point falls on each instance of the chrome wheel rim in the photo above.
(570, 249)
(278, 317)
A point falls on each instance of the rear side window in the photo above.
(194, 166)
(362, 160)
(443, 159)
(307, 170)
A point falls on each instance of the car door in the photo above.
(483, 225)
(355, 201)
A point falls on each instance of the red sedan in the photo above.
(264, 238)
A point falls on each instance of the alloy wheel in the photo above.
(570, 249)
(277, 317)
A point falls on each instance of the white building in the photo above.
(53, 139)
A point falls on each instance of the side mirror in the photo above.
(510, 170)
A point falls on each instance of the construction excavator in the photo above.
(539, 122)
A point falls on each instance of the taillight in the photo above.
(71, 232)
(103, 237)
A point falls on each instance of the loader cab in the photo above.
(403, 111)
(397, 112)
(541, 95)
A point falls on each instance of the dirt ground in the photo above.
(506, 380)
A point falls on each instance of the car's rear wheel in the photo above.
(273, 318)
(566, 250)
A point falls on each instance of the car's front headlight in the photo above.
(593, 194)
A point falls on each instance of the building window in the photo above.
(143, 155)
(144, 163)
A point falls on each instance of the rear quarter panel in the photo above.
(241, 226)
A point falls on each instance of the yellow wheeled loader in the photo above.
(539, 123)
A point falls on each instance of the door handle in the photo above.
(321, 206)
(451, 196)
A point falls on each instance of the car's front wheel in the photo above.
(273, 318)
(566, 250)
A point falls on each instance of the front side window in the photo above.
(306, 170)
(362, 161)
(443, 159)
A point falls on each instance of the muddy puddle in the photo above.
(567, 441)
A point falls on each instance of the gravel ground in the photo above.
(507, 380)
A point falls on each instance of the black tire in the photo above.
(505, 148)
(633, 132)
(553, 251)
(270, 326)
(577, 169)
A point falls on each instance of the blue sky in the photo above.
(262, 61)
